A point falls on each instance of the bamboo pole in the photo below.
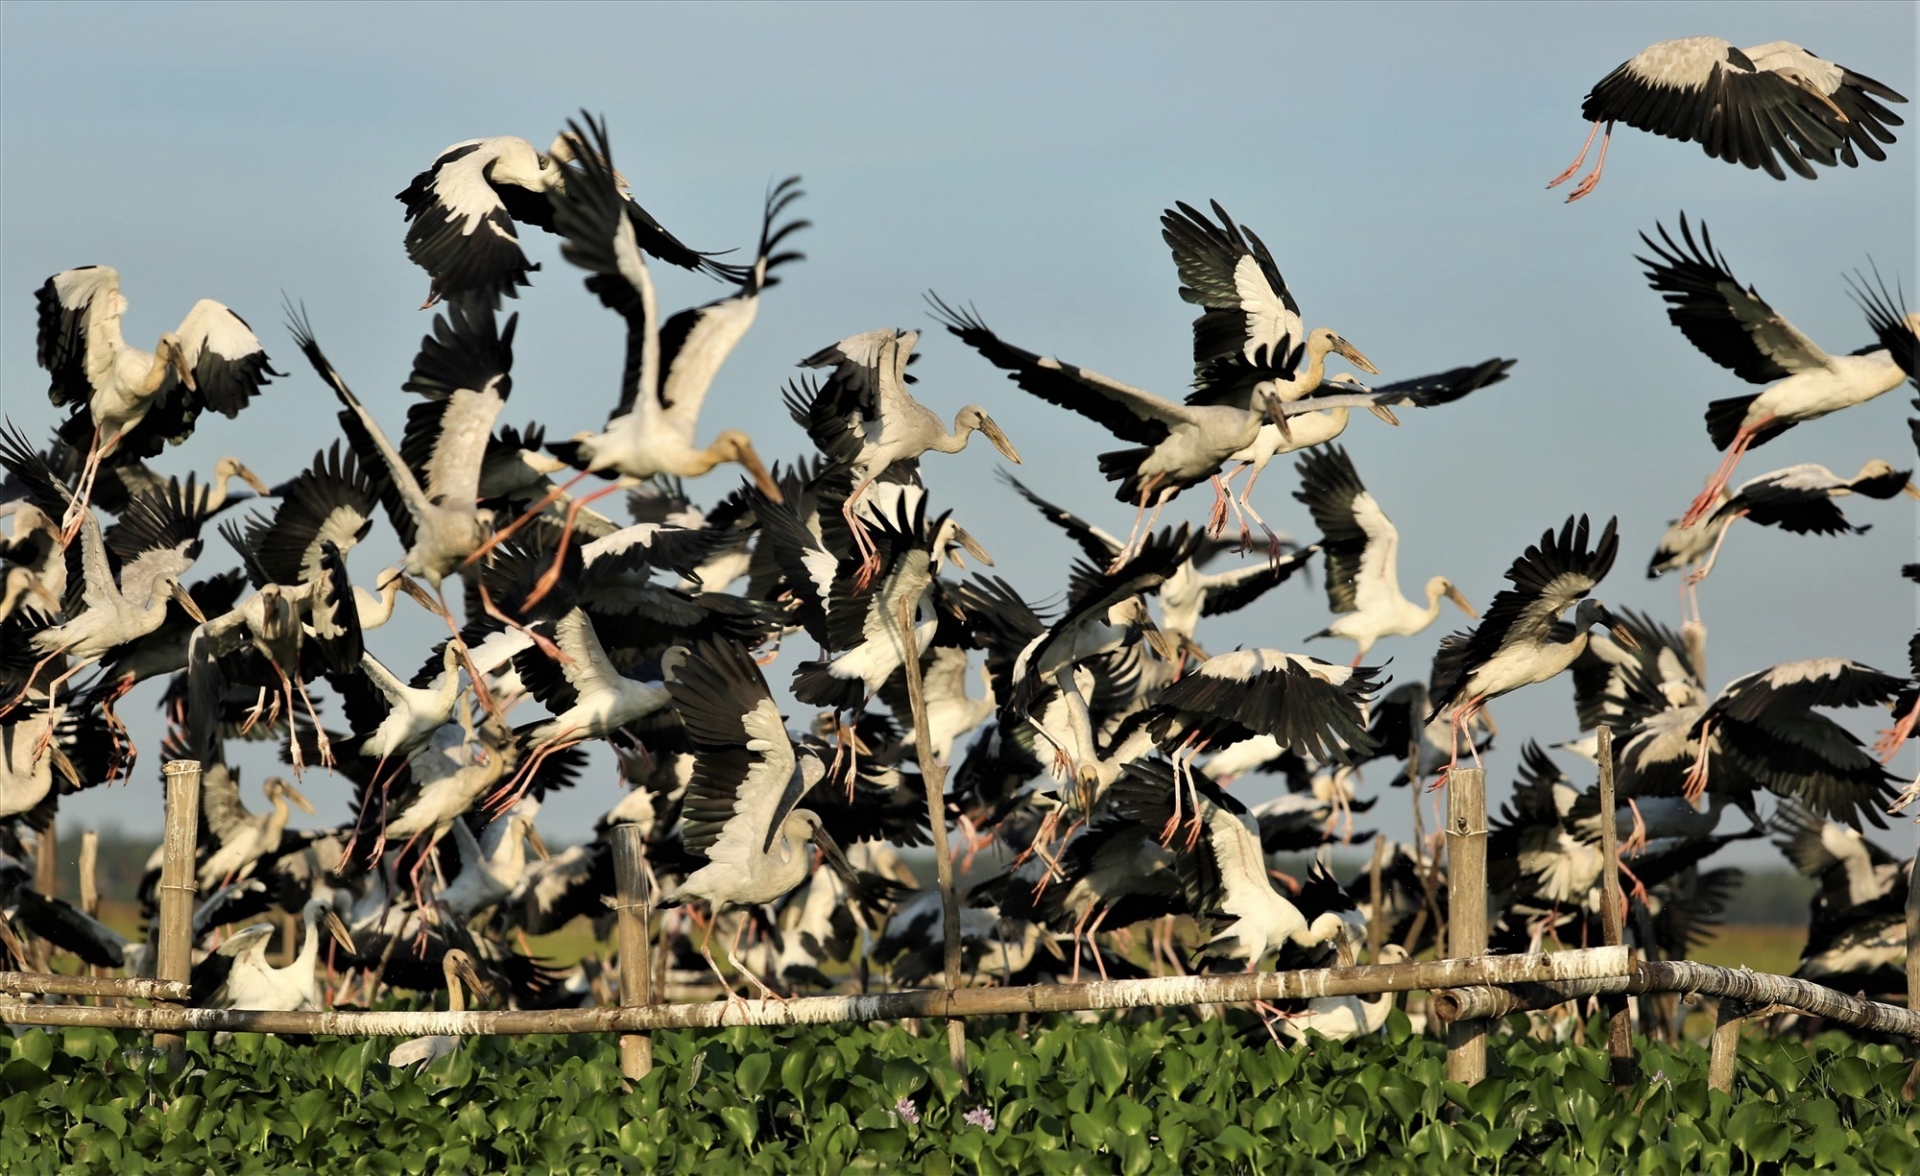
(1725, 1052)
(1237, 988)
(1623, 1068)
(1913, 934)
(46, 860)
(636, 971)
(134, 987)
(90, 873)
(1753, 989)
(174, 957)
(1466, 908)
(933, 777)
(1377, 920)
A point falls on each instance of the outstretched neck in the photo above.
(956, 440)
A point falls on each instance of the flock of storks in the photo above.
(1088, 789)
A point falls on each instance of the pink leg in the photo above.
(1703, 504)
(1587, 185)
(545, 583)
(1573, 167)
(1703, 571)
(1890, 740)
(526, 517)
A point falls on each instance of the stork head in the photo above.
(950, 539)
(233, 467)
(167, 587)
(275, 788)
(1878, 479)
(174, 353)
(319, 910)
(458, 968)
(1591, 612)
(1441, 586)
(1323, 340)
(804, 825)
(733, 445)
(972, 418)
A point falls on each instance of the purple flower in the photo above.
(908, 1113)
(980, 1117)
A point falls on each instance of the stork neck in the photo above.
(955, 441)
(156, 371)
(456, 995)
(309, 945)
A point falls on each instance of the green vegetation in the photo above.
(1067, 1096)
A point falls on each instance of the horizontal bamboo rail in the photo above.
(1753, 989)
(1587, 963)
(133, 987)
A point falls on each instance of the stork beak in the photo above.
(299, 801)
(63, 765)
(971, 546)
(1453, 594)
(761, 477)
(1352, 353)
(539, 846)
(185, 601)
(178, 358)
(339, 932)
(1277, 414)
(836, 860)
(1384, 413)
(252, 479)
(412, 588)
(469, 976)
(1157, 639)
(1622, 635)
(1910, 490)
(1000, 442)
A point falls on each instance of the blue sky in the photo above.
(1392, 156)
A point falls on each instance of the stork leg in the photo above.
(1587, 185)
(359, 821)
(551, 576)
(479, 680)
(526, 516)
(1636, 842)
(1742, 441)
(1137, 537)
(1891, 739)
(1099, 961)
(1696, 782)
(1223, 503)
(35, 673)
(862, 542)
(1246, 505)
(515, 623)
(1700, 573)
(83, 491)
(733, 957)
(1573, 167)
(509, 794)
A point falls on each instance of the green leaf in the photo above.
(752, 1073)
(1107, 1061)
(34, 1046)
(1850, 1076)
(902, 1076)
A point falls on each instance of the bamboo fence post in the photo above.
(1466, 908)
(46, 860)
(175, 949)
(1377, 922)
(1913, 934)
(636, 961)
(1624, 1069)
(1726, 1045)
(90, 882)
(933, 777)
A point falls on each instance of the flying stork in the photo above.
(462, 212)
(1177, 445)
(866, 421)
(1744, 106)
(1798, 499)
(1736, 328)
(748, 779)
(1522, 640)
(1362, 549)
(131, 403)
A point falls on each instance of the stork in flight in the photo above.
(1737, 329)
(1745, 106)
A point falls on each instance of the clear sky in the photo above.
(1017, 157)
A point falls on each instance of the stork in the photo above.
(1736, 328)
(423, 1052)
(1362, 549)
(1799, 500)
(237, 976)
(1745, 106)
(130, 402)
(237, 838)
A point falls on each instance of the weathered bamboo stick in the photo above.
(174, 959)
(1913, 934)
(1238, 988)
(1754, 989)
(90, 873)
(46, 860)
(1377, 919)
(1724, 1054)
(1623, 1068)
(1466, 908)
(134, 987)
(933, 778)
(636, 972)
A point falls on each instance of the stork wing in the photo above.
(1361, 544)
(590, 213)
(1099, 546)
(1703, 90)
(1892, 326)
(221, 809)
(79, 330)
(1232, 591)
(695, 342)
(1127, 412)
(1419, 392)
(1825, 681)
(229, 366)
(463, 370)
(400, 493)
(1731, 325)
(331, 501)
(1250, 318)
(745, 780)
(1286, 696)
(156, 535)
(1548, 577)
(462, 231)
(868, 384)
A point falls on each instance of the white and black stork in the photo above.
(1757, 106)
